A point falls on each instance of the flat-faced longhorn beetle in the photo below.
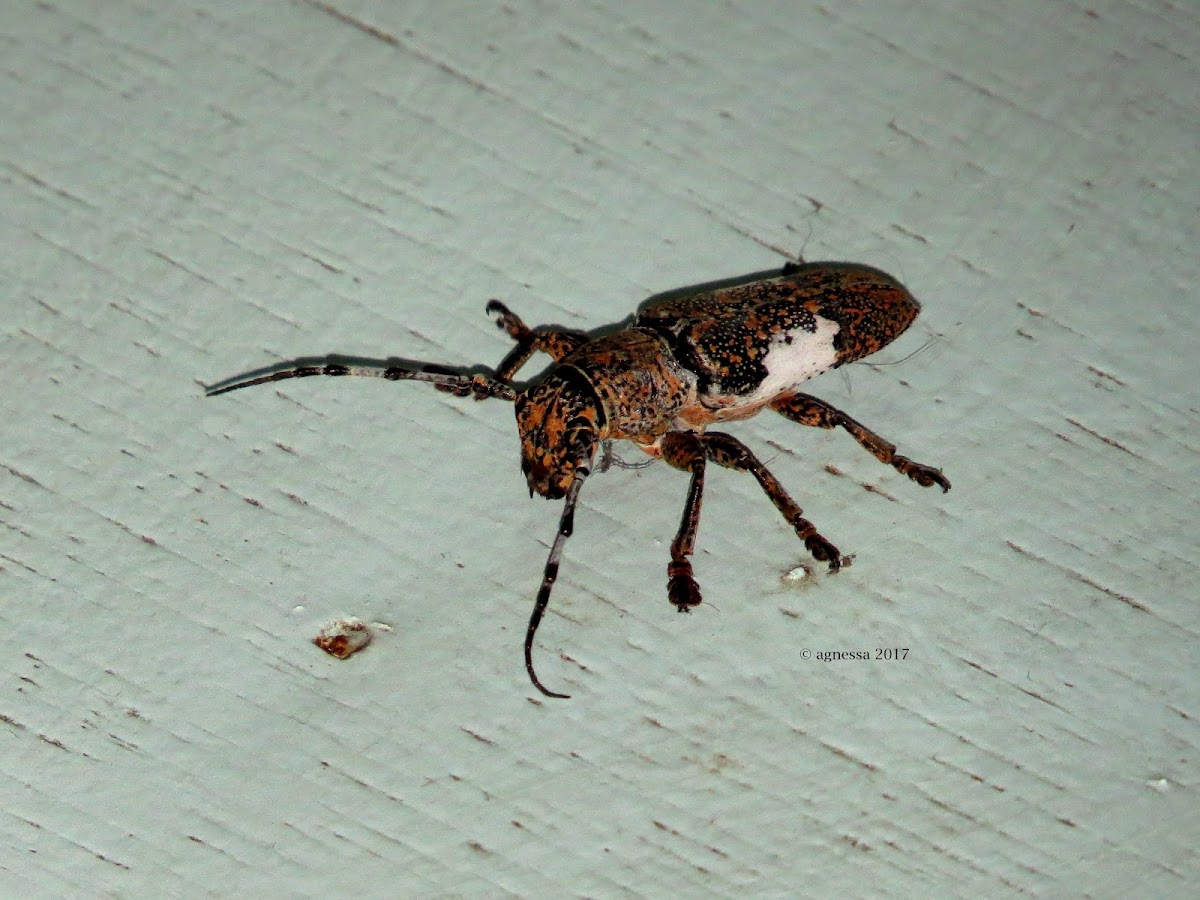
(685, 363)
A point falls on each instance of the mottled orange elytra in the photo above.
(684, 364)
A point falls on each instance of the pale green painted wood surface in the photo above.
(191, 190)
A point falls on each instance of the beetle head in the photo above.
(559, 421)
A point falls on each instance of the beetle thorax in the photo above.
(639, 385)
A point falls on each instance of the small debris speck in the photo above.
(343, 637)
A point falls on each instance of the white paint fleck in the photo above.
(796, 575)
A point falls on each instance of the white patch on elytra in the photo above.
(796, 356)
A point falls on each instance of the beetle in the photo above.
(685, 363)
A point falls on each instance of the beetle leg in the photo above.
(808, 410)
(565, 526)
(683, 450)
(726, 450)
(482, 386)
(556, 342)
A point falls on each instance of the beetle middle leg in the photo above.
(555, 342)
(689, 451)
(726, 450)
(808, 410)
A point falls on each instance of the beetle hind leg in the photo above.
(726, 450)
(808, 410)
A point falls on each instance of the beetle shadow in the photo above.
(654, 300)
(789, 268)
(707, 286)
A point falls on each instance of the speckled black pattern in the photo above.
(723, 336)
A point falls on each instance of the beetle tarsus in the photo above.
(926, 476)
(682, 588)
(823, 551)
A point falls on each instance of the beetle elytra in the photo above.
(684, 364)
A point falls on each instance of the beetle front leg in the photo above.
(808, 410)
(555, 342)
(684, 451)
(726, 450)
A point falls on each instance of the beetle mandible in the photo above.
(684, 364)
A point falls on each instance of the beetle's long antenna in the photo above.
(462, 385)
(565, 526)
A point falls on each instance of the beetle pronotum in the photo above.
(684, 364)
